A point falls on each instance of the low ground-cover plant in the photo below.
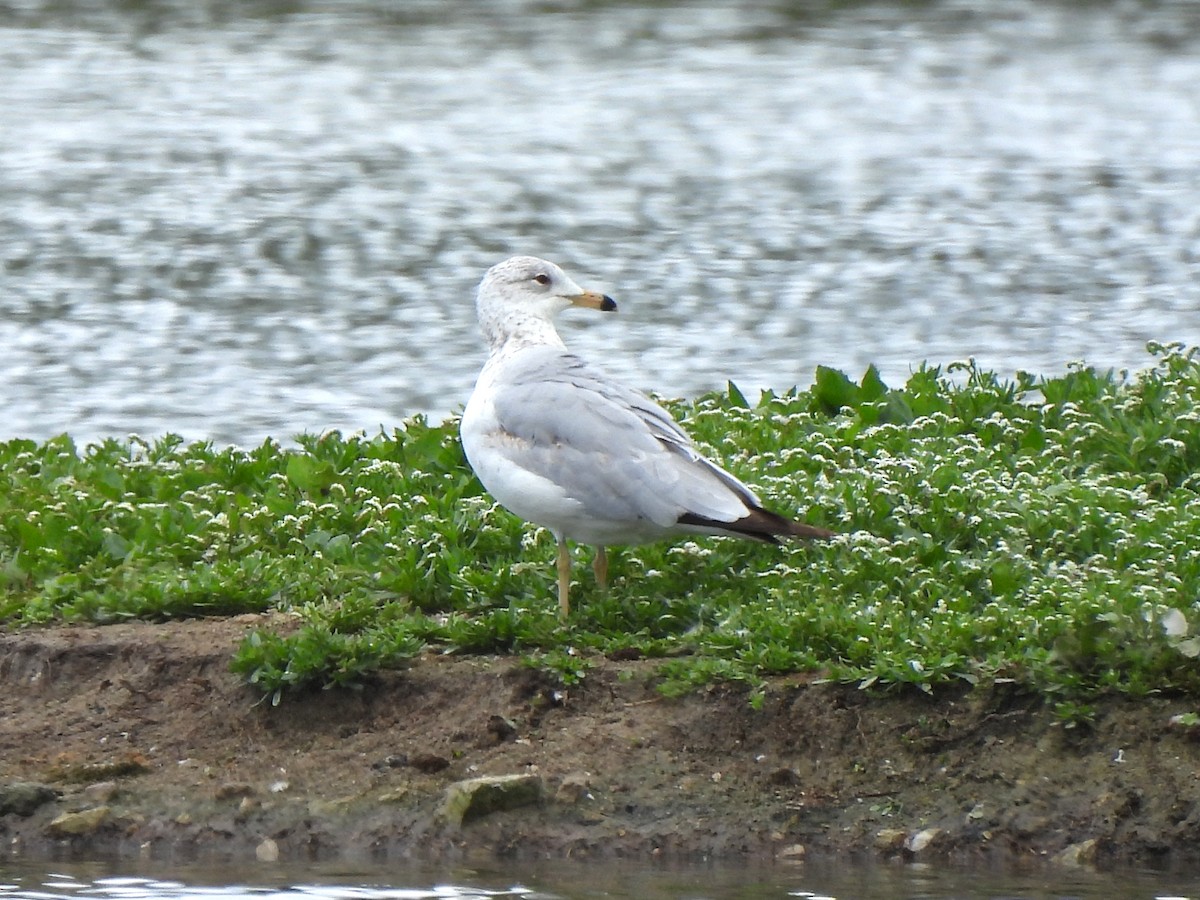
(1043, 530)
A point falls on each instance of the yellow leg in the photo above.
(564, 579)
(600, 567)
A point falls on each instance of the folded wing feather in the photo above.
(657, 475)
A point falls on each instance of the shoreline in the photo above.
(151, 748)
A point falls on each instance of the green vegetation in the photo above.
(1041, 531)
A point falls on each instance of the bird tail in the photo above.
(759, 525)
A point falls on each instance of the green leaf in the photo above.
(834, 392)
(873, 387)
(310, 475)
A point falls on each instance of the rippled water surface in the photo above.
(569, 881)
(233, 220)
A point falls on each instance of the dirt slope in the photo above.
(143, 730)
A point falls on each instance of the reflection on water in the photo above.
(561, 880)
(232, 220)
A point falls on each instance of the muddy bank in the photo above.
(135, 739)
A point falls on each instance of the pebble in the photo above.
(101, 791)
(574, 787)
(267, 851)
(922, 839)
(792, 853)
(465, 801)
(1080, 854)
(73, 824)
(889, 840)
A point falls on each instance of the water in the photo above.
(569, 881)
(240, 219)
(234, 220)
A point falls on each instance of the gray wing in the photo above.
(612, 448)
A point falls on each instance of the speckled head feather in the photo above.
(518, 299)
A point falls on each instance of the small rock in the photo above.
(429, 763)
(922, 839)
(501, 729)
(247, 806)
(574, 788)
(589, 816)
(101, 791)
(267, 851)
(1081, 854)
(890, 840)
(465, 801)
(73, 824)
(792, 852)
(24, 797)
(783, 777)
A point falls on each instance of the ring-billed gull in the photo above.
(560, 444)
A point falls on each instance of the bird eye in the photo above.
(542, 278)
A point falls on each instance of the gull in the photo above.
(560, 444)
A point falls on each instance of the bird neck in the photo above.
(505, 335)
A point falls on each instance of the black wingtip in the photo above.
(761, 525)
